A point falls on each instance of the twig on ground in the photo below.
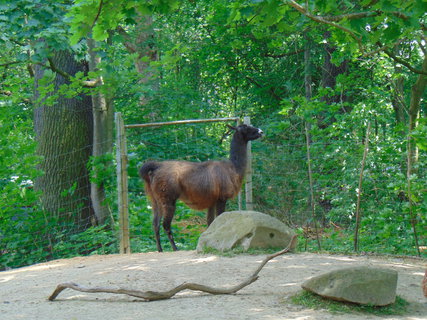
(161, 295)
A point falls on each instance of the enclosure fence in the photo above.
(342, 190)
(122, 173)
(348, 193)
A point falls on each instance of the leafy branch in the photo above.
(68, 77)
(403, 62)
(325, 20)
(331, 20)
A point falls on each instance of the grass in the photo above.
(314, 301)
(240, 250)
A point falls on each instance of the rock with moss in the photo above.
(363, 285)
(245, 229)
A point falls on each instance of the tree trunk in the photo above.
(63, 129)
(417, 92)
(397, 99)
(330, 72)
(398, 93)
(103, 118)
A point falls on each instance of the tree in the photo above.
(63, 115)
(64, 134)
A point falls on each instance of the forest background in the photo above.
(339, 88)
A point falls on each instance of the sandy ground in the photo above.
(24, 291)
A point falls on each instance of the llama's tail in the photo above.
(147, 170)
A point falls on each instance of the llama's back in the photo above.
(198, 184)
(208, 182)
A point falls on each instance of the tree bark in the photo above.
(63, 129)
(330, 72)
(103, 118)
(398, 100)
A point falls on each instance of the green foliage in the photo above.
(102, 169)
(220, 59)
(85, 15)
(313, 301)
(30, 237)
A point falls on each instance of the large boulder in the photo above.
(363, 285)
(246, 229)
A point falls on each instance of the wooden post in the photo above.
(248, 185)
(359, 191)
(122, 184)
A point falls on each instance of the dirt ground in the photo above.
(24, 291)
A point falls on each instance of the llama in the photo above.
(200, 185)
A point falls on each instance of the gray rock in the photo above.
(363, 285)
(247, 229)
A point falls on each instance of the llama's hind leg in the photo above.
(220, 206)
(156, 225)
(210, 215)
(216, 210)
(167, 220)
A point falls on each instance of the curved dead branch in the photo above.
(161, 295)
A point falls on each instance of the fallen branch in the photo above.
(161, 295)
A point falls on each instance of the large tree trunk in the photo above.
(63, 129)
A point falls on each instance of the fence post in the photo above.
(248, 185)
(122, 184)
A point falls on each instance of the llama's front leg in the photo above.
(167, 220)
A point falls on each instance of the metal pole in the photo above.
(248, 185)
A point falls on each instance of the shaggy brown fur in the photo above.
(203, 185)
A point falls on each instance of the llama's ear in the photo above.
(231, 127)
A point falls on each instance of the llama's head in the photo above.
(248, 132)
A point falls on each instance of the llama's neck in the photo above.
(238, 153)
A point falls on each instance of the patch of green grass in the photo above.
(314, 301)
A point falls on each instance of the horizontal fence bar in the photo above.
(158, 124)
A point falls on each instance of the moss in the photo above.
(313, 301)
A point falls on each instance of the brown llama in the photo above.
(200, 185)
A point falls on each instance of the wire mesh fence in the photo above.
(281, 188)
